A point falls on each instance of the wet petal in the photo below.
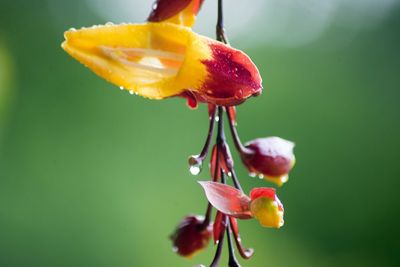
(147, 59)
(232, 76)
(160, 60)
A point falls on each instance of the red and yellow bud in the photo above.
(191, 236)
(263, 204)
(266, 207)
(182, 12)
(161, 60)
(271, 157)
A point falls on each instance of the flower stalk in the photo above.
(165, 58)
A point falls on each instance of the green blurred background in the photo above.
(92, 176)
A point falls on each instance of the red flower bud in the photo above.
(175, 11)
(191, 236)
(270, 157)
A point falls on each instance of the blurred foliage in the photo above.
(92, 176)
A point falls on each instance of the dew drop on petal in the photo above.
(261, 176)
(252, 174)
(154, 6)
(109, 23)
(131, 92)
(121, 88)
(72, 29)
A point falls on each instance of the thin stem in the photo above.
(220, 25)
(207, 218)
(233, 262)
(204, 151)
(235, 136)
(217, 256)
(221, 133)
(235, 180)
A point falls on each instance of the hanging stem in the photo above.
(204, 151)
(235, 180)
(233, 262)
(235, 136)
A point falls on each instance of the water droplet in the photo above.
(252, 174)
(261, 176)
(72, 29)
(109, 24)
(229, 174)
(217, 118)
(174, 249)
(155, 6)
(121, 88)
(136, 93)
(131, 92)
(195, 169)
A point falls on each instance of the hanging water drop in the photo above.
(121, 88)
(195, 165)
(261, 176)
(195, 169)
(131, 92)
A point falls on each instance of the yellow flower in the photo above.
(160, 60)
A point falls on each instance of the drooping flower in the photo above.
(263, 203)
(181, 12)
(191, 236)
(161, 60)
(271, 157)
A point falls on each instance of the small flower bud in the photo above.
(270, 157)
(266, 207)
(191, 236)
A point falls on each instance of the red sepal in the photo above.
(263, 192)
(213, 164)
(227, 199)
(219, 225)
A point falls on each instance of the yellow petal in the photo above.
(267, 212)
(155, 60)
